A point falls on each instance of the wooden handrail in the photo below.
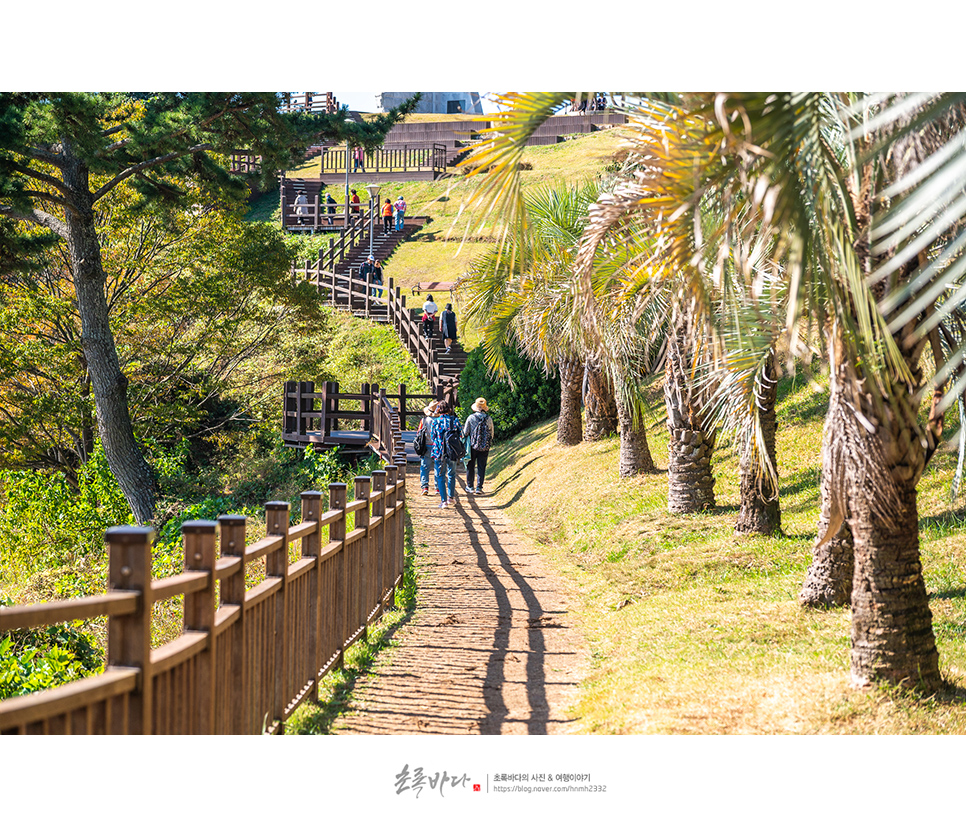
(292, 626)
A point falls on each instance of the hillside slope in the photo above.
(697, 630)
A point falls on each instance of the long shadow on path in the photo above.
(490, 649)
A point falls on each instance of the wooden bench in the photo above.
(435, 286)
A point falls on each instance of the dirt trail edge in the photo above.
(491, 649)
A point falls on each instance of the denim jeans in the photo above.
(400, 216)
(425, 464)
(446, 479)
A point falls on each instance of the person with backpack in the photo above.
(447, 327)
(447, 448)
(479, 432)
(429, 317)
(422, 446)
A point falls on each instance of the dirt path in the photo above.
(490, 650)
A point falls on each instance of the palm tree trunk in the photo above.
(689, 474)
(600, 403)
(892, 637)
(635, 454)
(760, 510)
(569, 429)
(828, 581)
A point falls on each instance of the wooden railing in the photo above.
(390, 159)
(246, 658)
(348, 292)
(317, 217)
(330, 416)
(309, 102)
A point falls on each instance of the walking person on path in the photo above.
(479, 432)
(424, 435)
(429, 317)
(355, 202)
(365, 274)
(447, 327)
(301, 206)
(445, 425)
(386, 217)
(400, 207)
(329, 207)
(358, 157)
(377, 278)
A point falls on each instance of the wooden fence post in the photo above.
(402, 406)
(281, 198)
(337, 501)
(290, 419)
(362, 491)
(311, 546)
(236, 700)
(327, 408)
(276, 564)
(336, 404)
(199, 615)
(392, 536)
(129, 635)
(377, 547)
(366, 405)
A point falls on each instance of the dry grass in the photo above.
(696, 630)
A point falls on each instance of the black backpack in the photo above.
(420, 442)
(453, 447)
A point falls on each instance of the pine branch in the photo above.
(41, 218)
(148, 163)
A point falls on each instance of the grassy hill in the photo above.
(444, 248)
(695, 629)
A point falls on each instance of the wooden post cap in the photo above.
(199, 526)
(232, 520)
(129, 535)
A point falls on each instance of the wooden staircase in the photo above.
(341, 288)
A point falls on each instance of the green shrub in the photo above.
(35, 659)
(533, 398)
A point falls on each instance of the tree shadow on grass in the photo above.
(516, 495)
(949, 593)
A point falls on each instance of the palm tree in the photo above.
(538, 310)
(862, 204)
(774, 155)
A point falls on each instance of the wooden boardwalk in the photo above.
(491, 649)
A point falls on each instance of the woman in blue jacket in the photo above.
(444, 420)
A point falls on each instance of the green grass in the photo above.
(697, 630)
(336, 689)
(446, 246)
